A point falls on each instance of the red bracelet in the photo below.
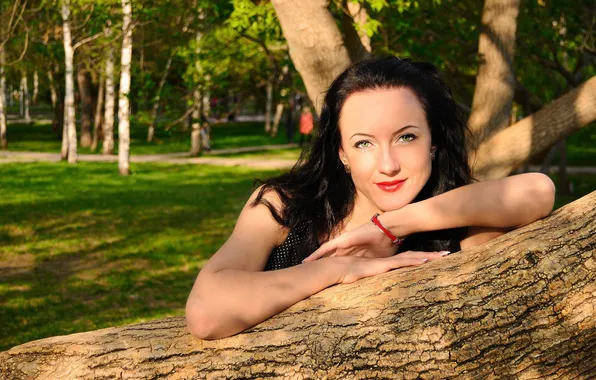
(383, 229)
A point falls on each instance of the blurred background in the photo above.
(131, 132)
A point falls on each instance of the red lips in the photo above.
(392, 186)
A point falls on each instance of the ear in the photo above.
(342, 156)
(433, 148)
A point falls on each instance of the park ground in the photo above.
(83, 248)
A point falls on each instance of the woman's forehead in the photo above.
(384, 108)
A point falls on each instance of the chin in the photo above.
(394, 201)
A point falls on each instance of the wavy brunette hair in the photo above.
(319, 194)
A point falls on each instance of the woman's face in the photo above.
(386, 144)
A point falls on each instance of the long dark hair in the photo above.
(319, 194)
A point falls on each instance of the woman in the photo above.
(387, 173)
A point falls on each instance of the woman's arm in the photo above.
(505, 203)
(232, 293)
(489, 208)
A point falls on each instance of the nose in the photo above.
(388, 162)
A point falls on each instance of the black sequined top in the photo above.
(287, 254)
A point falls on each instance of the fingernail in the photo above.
(424, 260)
(445, 253)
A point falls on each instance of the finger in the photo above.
(325, 249)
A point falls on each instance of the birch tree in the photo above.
(123, 100)
(110, 103)
(70, 135)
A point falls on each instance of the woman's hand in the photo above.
(364, 241)
(355, 268)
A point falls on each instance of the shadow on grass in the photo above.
(82, 248)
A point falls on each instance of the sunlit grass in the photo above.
(82, 248)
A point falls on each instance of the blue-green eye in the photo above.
(407, 137)
(362, 144)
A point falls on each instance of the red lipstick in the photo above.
(392, 186)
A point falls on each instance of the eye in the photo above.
(363, 144)
(407, 137)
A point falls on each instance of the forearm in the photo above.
(506, 203)
(230, 301)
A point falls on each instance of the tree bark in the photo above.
(35, 87)
(195, 134)
(519, 307)
(315, 43)
(357, 41)
(108, 120)
(3, 128)
(69, 106)
(268, 104)
(86, 99)
(97, 122)
(514, 146)
(123, 101)
(25, 95)
(162, 82)
(495, 82)
(53, 93)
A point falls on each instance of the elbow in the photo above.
(546, 190)
(542, 195)
(200, 322)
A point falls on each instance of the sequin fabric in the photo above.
(286, 255)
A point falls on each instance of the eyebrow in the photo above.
(396, 132)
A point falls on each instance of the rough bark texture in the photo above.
(495, 82)
(108, 120)
(86, 99)
(521, 306)
(316, 44)
(516, 145)
(69, 101)
(123, 101)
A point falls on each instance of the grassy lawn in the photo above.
(82, 248)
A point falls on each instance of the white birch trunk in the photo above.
(195, 134)
(162, 82)
(268, 105)
(205, 112)
(98, 114)
(53, 94)
(69, 106)
(21, 100)
(3, 129)
(25, 87)
(108, 120)
(35, 87)
(123, 101)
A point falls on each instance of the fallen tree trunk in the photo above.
(521, 306)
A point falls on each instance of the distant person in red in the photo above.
(306, 125)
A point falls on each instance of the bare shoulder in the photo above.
(255, 235)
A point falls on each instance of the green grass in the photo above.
(82, 248)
